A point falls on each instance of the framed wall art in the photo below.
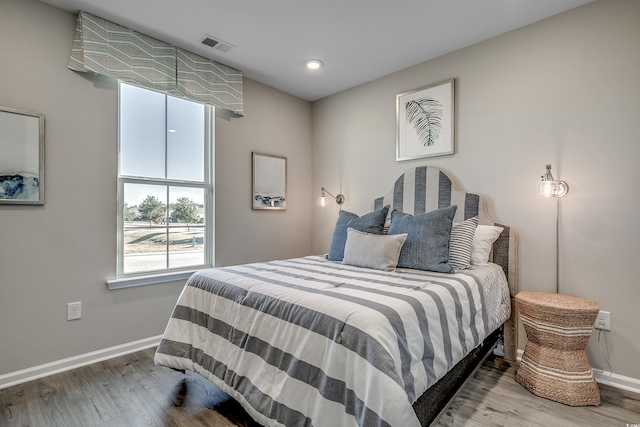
(269, 182)
(21, 157)
(425, 122)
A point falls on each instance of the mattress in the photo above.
(310, 342)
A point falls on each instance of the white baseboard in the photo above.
(18, 377)
(617, 381)
(609, 378)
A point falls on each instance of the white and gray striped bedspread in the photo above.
(310, 342)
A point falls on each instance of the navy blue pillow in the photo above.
(372, 222)
(427, 244)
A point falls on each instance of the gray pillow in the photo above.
(461, 242)
(427, 244)
(372, 222)
(372, 250)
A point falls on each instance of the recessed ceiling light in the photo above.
(314, 64)
(172, 131)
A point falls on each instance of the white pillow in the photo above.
(482, 241)
(373, 250)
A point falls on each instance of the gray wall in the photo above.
(65, 250)
(563, 91)
(274, 123)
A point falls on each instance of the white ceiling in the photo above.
(357, 40)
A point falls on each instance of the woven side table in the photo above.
(555, 364)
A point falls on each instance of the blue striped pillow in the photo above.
(461, 242)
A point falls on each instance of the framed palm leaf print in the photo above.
(425, 121)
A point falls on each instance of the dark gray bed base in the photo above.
(434, 402)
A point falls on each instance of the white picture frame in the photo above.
(21, 157)
(426, 122)
(269, 189)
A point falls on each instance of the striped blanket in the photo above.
(310, 342)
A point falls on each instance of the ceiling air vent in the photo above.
(216, 43)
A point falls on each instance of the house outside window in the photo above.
(165, 183)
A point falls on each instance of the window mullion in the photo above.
(159, 181)
(166, 169)
(210, 180)
(166, 137)
(167, 221)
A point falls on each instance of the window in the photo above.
(165, 183)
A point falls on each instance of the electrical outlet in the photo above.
(74, 311)
(603, 321)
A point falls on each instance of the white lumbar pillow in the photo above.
(373, 250)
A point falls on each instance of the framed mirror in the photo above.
(21, 157)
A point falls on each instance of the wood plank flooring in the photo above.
(132, 391)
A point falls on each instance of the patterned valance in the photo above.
(205, 81)
(105, 48)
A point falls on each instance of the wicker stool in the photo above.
(554, 364)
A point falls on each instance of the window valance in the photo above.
(109, 49)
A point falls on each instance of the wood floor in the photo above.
(132, 391)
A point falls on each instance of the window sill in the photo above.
(130, 282)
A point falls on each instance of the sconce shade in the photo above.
(322, 200)
(552, 188)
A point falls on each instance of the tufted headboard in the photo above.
(424, 189)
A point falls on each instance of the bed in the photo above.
(316, 342)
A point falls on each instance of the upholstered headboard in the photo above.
(424, 189)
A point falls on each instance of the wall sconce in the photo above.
(322, 200)
(549, 187)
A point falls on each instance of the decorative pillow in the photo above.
(482, 242)
(372, 222)
(372, 250)
(461, 241)
(427, 244)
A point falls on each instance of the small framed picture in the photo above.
(425, 122)
(21, 157)
(269, 182)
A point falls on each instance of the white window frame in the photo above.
(125, 280)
